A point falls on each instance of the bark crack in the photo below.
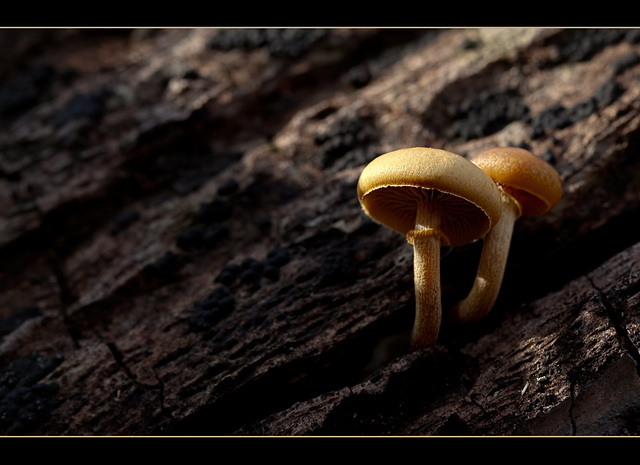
(615, 315)
(574, 427)
(119, 359)
(55, 261)
(159, 386)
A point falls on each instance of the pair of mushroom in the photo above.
(438, 198)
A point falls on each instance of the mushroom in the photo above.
(529, 186)
(434, 198)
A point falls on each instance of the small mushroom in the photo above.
(434, 198)
(529, 186)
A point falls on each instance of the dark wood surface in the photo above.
(183, 252)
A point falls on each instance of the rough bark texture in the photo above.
(182, 249)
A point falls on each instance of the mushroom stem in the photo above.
(426, 239)
(493, 261)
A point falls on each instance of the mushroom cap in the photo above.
(529, 179)
(391, 186)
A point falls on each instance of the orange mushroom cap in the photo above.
(530, 180)
(391, 186)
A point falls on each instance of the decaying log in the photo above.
(183, 253)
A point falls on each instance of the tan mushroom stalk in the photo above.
(434, 198)
(529, 186)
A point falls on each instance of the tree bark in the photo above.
(182, 251)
